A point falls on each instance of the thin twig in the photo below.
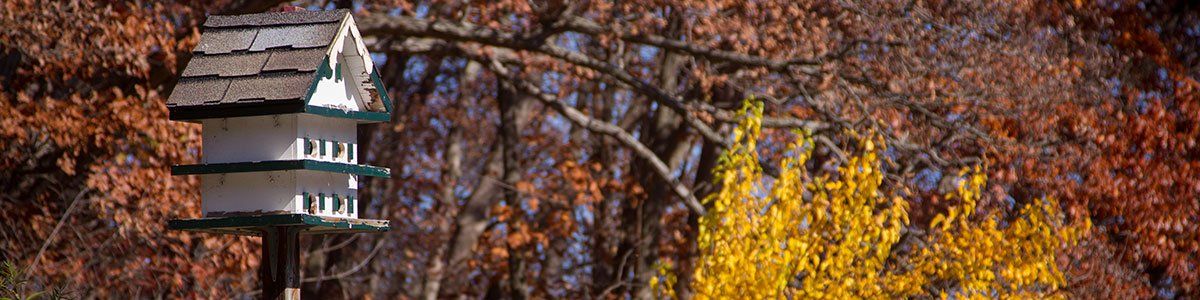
(617, 133)
(54, 233)
(352, 270)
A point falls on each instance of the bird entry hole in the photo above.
(312, 147)
(343, 205)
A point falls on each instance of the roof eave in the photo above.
(196, 113)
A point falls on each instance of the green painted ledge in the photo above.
(253, 225)
(366, 116)
(281, 165)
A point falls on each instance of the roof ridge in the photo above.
(276, 18)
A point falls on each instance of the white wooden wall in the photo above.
(279, 137)
(246, 139)
(277, 192)
(256, 192)
(282, 137)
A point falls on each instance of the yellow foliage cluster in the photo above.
(986, 260)
(823, 237)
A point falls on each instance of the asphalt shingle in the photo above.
(299, 60)
(296, 37)
(268, 87)
(276, 18)
(197, 91)
(236, 64)
(218, 41)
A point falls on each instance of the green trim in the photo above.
(307, 201)
(322, 146)
(253, 225)
(282, 165)
(308, 147)
(350, 204)
(337, 149)
(350, 152)
(321, 201)
(337, 203)
(337, 72)
(323, 72)
(368, 116)
(383, 92)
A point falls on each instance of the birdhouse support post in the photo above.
(279, 268)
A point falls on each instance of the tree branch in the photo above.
(767, 122)
(462, 32)
(585, 121)
(351, 270)
(238, 7)
(582, 25)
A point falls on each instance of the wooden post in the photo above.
(279, 271)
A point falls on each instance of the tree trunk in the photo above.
(686, 262)
(667, 136)
(451, 171)
(472, 219)
(510, 137)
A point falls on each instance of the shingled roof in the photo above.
(259, 64)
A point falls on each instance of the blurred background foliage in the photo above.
(566, 149)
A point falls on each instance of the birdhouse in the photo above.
(278, 96)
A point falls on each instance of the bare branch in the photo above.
(585, 121)
(57, 227)
(586, 26)
(238, 7)
(351, 270)
(768, 122)
(463, 32)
